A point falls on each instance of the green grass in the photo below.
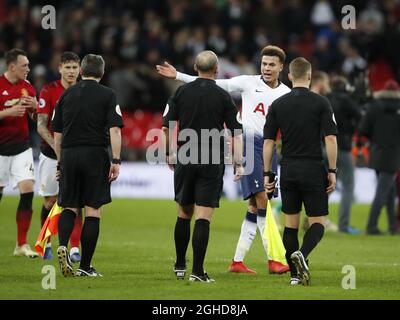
(135, 253)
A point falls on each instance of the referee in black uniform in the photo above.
(198, 173)
(87, 118)
(302, 117)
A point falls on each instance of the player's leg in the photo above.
(24, 218)
(76, 238)
(207, 193)
(65, 226)
(48, 190)
(184, 186)
(70, 198)
(5, 172)
(291, 207)
(182, 237)
(22, 176)
(385, 181)
(313, 184)
(346, 175)
(89, 237)
(248, 232)
(291, 241)
(201, 234)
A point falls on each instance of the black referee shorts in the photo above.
(199, 184)
(84, 177)
(303, 181)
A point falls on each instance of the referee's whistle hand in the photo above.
(114, 172)
(332, 183)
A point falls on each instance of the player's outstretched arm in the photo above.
(168, 71)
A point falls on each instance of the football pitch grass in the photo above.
(135, 253)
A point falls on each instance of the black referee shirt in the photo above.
(302, 117)
(85, 113)
(201, 104)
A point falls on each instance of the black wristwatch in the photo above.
(333, 170)
(116, 161)
(269, 174)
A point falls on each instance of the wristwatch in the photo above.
(116, 161)
(269, 174)
(333, 170)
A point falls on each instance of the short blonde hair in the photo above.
(299, 68)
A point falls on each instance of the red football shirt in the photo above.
(49, 96)
(14, 131)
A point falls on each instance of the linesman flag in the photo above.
(276, 249)
(50, 228)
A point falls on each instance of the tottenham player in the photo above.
(258, 92)
(51, 92)
(17, 100)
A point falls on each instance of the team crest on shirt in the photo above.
(42, 103)
(24, 92)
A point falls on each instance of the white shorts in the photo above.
(14, 169)
(47, 176)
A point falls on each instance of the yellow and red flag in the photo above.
(50, 228)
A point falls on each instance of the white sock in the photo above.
(48, 245)
(73, 250)
(247, 235)
(261, 228)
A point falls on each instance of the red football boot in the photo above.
(239, 267)
(277, 267)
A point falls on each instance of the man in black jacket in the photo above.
(347, 116)
(382, 126)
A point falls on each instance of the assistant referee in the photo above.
(200, 106)
(87, 118)
(303, 117)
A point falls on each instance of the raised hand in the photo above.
(166, 70)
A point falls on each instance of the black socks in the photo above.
(182, 237)
(311, 238)
(65, 226)
(199, 243)
(44, 214)
(90, 234)
(291, 243)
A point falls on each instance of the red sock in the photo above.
(76, 232)
(24, 218)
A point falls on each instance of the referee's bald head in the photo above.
(206, 61)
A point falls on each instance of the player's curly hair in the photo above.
(274, 51)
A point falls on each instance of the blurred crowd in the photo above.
(134, 35)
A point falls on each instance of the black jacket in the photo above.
(348, 116)
(381, 125)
